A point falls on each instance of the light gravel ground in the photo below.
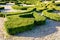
(49, 31)
(1, 27)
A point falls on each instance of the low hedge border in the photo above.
(39, 19)
(2, 3)
(57, 8)
(2, 15)
(57, 3)
(16, 24)
(19, 23)
(27, 15)
(18, 7)
(52, 16)
(1, 8)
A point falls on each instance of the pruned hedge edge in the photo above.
(1, 8)
(52, 16)
(39, 19)
(17, 24)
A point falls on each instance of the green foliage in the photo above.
(1, 8)
(29, 1)
(1, 15)
(52, 16)
(13, 13)
(40, 6)
(50, 5)
(39, 19)
(15, 24)
(19, 7)
(57, 3)
(27, 15)
(57, 7)
(2, 3)
(31, 9)
(21, 21)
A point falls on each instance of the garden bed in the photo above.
(16, 24)
(23, 22)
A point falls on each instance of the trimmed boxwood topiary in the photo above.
(16, 24)
(52, 16)
(39, 19)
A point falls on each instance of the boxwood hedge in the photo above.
(23, 22)
(52, 16)
(2, 3)
(57, 8)
(39, 19)
(1, 8)
(19, 7)
(57, 3)
(27, 15)
(1, 15)
(16, 24)
(41, 6)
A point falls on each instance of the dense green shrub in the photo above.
(1, 8)
(2, 3)
(1, 15)
(27, 15)
(39, 19)
(50, 5)
(19, 7)
(17, 3)
(40, 6)
(57, 8)
(18, 13)
(57, 3)
(28, 3)
(12, 13)
(16, 24)
(52, 16)
(31, 9)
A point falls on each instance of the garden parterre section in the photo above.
(18, 22)
(21, 23)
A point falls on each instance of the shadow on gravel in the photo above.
(41, 31)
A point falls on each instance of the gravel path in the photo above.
(1, 28)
